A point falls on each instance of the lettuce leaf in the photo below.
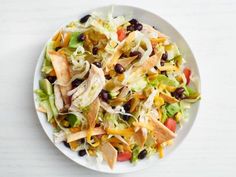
(164, 114)
(172, 51)
(135, 152)
(74, 43)
(46, 105)
(172, 109)
(46, 98)
(47, 64)
(73, 120)
(162, 79)
(139, 84)
(41, 95)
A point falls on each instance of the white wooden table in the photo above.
(208, 26)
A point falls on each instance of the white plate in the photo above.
(124, 167)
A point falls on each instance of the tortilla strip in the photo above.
(65, 39)
(93, 112)
(121, 139)
(91, 117)
(140, 137)
(123, 92)
(118, 51)
(83, 134)
(61, 67)
(161, 132)
(168, 67)
(168, 99)
(150, 62)
(58, 99)
(126, 61)
(109, 153)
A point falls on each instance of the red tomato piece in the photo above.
(170, 124)
(187, 73)
(124, 156)
(121, 34)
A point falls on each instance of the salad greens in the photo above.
(115, 88)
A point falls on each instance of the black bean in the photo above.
(85, 18)
(127, 106)
(155, 27)
(57, 48)
(119, 68)
(130, 28)
(179, 90)
(138, 27)
(82, 152)
(178, 93)
(82, 141)
(142, 154)
(162, 63)
(126, 117)
(153, 53)
(81, 37)
(133, 21)
(52, 79)
(108, 77)
(98, 64)
(123, 56)
(136, 53)
(164, 73)
(66, 144)
(95, 51)
(104, 95)
(164, 56)
(76, 82)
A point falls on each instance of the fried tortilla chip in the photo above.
(109, 153)
(161, 132)
(61, 67)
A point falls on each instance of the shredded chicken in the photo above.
(58, 99)
(87, 93)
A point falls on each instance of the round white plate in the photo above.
(124, 167)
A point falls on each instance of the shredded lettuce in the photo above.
(162, 79)
(139, 84)
(164, 114)
(41, 95)
(135, 152)
(172, 109)
(46, 98)
(47, 64)
(172, 51)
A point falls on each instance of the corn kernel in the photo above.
(65, 123)
(160, 151)
(178, 116)
(158, 101)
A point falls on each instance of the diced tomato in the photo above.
(187, 73)
(171, 124)
(124, 156)
(121, 34)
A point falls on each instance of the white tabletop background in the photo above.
(209, 26)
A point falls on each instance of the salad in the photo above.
(114, 88)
